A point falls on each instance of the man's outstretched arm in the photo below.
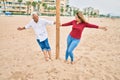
(21, 28)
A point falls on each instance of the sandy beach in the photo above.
(97, 56)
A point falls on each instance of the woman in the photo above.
(75, 35)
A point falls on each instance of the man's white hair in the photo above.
(34, 13)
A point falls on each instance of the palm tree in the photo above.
(67, 6)
(62, 10)
(4, 5)
(91, 14)
(28, 3)
(44, 5)
(88, 10)
(71, 11)
(39, 3)
(34, 5)
(75, 11)
(20, 1)
(95, 14)
(49, 8)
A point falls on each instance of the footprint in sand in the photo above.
(20, 76)
(53, 70)
(115, 77)
(52, 74)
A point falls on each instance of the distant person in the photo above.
(39, 26)
(74, 37)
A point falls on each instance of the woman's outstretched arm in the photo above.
(67, 24)
(95, 26)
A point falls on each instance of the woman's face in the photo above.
(77, 19)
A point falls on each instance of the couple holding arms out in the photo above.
(73, 39)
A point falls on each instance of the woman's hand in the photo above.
(60, 24)
(103, 28)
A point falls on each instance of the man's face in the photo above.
(35, 18)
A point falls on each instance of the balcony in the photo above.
(16, 10)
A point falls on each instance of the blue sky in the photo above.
(104, 6)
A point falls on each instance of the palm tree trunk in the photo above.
(57, 28)
(4, 6)
(20, 1)
(20, 8)
(27, 9)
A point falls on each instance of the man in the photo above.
(39, 26)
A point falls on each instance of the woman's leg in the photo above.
(72, 46)
(69, 40)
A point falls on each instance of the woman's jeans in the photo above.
(71, 45)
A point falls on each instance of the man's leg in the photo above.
(45, 55)
(49, 53)
(42, 45)
(47, 46)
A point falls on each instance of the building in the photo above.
(45, 6)
(63, 5)
(49, 7)
(96, 12)
(13, 6)
(91, 12)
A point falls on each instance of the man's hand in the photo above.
(20, 28)
(54, 22)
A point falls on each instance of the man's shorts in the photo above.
(44, 45)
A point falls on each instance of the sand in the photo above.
(97, 56)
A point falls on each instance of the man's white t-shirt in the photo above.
(40, 28)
